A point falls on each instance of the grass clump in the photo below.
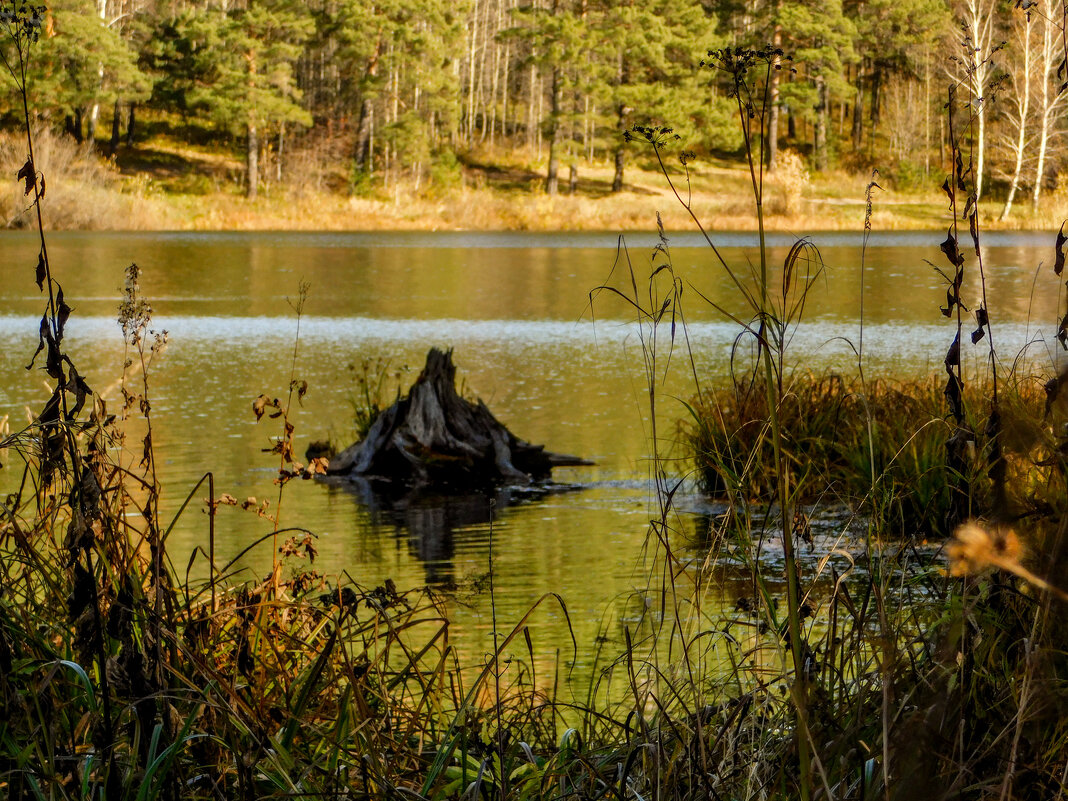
(878, 448)
(866, 670)
(83, 192)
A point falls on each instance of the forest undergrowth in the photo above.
(123, 676)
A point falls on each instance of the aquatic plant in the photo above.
(886, 677)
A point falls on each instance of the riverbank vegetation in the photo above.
(127, 674)
(163, 185)
(882, 445)
(506, 114)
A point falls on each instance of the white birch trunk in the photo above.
(1021, 80)
(471, 50)
(1050, 100)
(94, 110)
(975, 70)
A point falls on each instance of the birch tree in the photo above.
(1049, 100)
(975, 70)
(1018, 114)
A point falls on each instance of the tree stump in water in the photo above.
(435, 437)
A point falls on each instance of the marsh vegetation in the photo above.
(127, 674)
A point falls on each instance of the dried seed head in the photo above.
(975, 548)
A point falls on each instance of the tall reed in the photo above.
(865, 649)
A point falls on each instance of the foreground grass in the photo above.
(121, 677)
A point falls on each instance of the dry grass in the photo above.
(83, 191)
(492, 209)
(499, 191)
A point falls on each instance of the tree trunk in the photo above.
(434, 437)
(773, 99)
(773, 122)
(572, 179)
(469, 128)
(504, 92)
(980, 149)
(977, 43)
(820, 133)
(1040, 165)
(362, 156)
(131, 119)
(278, 156)
(858, 113)
(552, 131)
(94, 111)
(531, 120)
(494, 82)
(252, 173)
(1050, 61)
(1023, 103)
(116, 122)
(252, 177)
(927, 113)
(876, 96)
(617, 179)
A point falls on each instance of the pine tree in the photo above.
(820, 39)
(647, 56)
(397, 61)
(893, 37)
(557, 40)
(82, 62)
(235, 67)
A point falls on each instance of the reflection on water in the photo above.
(428, 519)
(552, 368)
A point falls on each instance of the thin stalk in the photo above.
(773, 388)
(20, 34)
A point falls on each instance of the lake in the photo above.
(557, 370)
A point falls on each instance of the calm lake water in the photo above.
(554, 368)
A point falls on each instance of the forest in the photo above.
(357, 98)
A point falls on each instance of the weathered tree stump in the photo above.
(434, 437)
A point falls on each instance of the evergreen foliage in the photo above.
(82, 62)
(392, 92)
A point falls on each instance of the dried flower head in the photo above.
(134, 311)
(975, 548)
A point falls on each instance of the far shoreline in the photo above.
(118, 198)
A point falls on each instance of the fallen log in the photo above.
(435, 437)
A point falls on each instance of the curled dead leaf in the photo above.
(1058, 265)
(28, 174)
(259, 406)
